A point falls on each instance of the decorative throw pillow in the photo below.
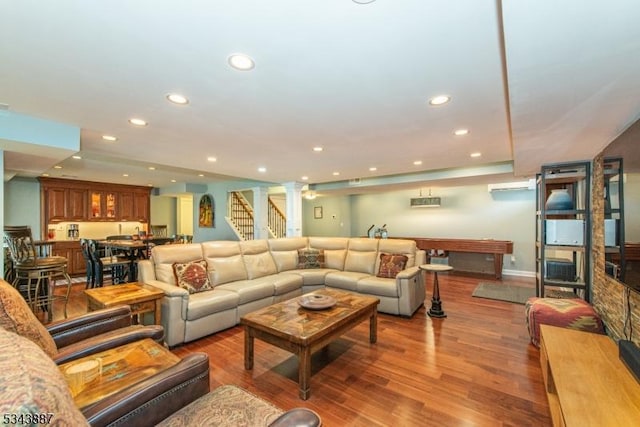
(17, 317)
(310, 258)
(192, 276)
(34, 390)
(391, 265)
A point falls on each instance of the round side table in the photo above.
(436, 303)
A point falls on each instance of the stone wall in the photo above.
(609, 297)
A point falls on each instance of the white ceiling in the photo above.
(535, 81)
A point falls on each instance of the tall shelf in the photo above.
(563, 231)
(614, 218)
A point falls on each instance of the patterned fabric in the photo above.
(192, 276)
(310, 258)
(226, 406)
(391, 265)
(16, 317)
(32, 386)
(572, 313)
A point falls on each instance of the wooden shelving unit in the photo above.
(563, 236)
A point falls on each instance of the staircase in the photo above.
(240, 217)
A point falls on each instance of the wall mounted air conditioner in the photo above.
(512, 186)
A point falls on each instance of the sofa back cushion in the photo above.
(164, 256)
(257, 258)
(335, 250)
(285, 251)
(400, 247)
(224, 261)
(361, 255)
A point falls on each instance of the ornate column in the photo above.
(294, 208)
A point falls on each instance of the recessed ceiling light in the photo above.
(212, 159)
(363, 1)
(57, 167)
(200, 174)
(336, 173)
(262, 169)
(373, 169)
(45, 174)
(109, 138)
(241, 62)
(461, 132)
(476, 154)
(173, 180)
(317, 149)
(177, 99)
(137, 122)
(439, 100)
(76, 157)
(304, 178)
(149, 185)
(125, 175)
(151, 168)
(417, 162)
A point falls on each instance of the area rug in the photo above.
(501, 292)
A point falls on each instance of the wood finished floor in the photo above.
(473, 368)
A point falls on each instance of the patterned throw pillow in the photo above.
(192, 276)
(391, 265)
(34, 390)
(310, 258)
(17, 317)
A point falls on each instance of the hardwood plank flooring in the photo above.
(473, 368)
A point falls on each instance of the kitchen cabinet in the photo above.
(65, 204)
(103, 206)
(65, 200)
(72, 251)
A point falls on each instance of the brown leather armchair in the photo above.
(70, 339)
(34, 391)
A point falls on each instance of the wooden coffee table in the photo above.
(110, 371)
(141, 298)
(303, 332)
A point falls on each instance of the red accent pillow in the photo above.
(391, 265)
(192, 276)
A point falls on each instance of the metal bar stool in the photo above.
(35, 276)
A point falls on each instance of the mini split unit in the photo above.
(512, 186)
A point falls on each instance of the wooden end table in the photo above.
(95, 377)
(141, 298)
(303, 332)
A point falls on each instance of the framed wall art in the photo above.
(317, 212)
(206, 214)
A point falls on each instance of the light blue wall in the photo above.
(22, 203)
(469, 212)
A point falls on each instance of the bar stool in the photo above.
(37, 273)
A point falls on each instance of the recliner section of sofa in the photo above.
(249, 275)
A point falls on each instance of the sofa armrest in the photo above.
(154, 399)
(69, 331)
(298, 417)
(108, 340)
(408, 273)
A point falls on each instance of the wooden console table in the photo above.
(483, 246)
(586, 383)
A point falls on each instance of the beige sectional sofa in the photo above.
(248, 275)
